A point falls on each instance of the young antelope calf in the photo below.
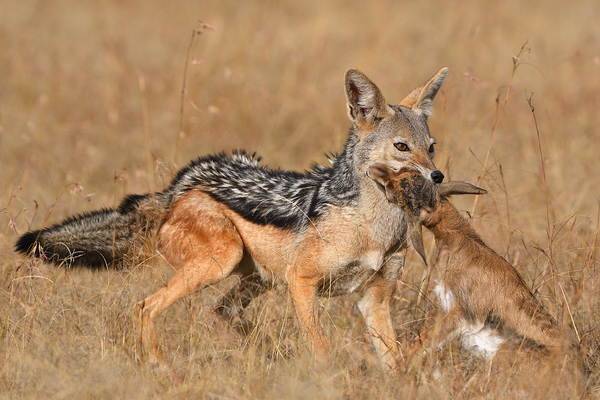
(484, 298)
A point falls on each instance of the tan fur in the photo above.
(491, 286)
(478, 288)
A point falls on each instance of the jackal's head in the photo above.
(419, 197)
(397, 135)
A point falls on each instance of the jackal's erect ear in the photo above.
(421, 98)
(365, 101)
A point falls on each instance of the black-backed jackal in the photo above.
(327, 231)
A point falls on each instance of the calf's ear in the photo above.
(415, 238)
(459, 187)
(380, 173)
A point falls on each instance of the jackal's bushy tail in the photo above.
(97, 239)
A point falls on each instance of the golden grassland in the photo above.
(90, 105)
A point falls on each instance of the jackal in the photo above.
(326, 231)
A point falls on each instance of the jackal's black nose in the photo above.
(437, 176)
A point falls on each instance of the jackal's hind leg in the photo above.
(207, 253)
(233, 304)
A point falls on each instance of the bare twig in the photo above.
(198, 30)
(498, 112)
(551, 234)
(146, 118)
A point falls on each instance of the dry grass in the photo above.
(89, 111)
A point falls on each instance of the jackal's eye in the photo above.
(401, 146)
(431, 148)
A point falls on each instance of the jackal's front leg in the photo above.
(303, 288)
(375, 307)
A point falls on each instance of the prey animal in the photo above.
(484, 298)
(326, 231)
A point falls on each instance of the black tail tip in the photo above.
(26, 244)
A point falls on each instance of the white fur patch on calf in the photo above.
(445, 296)
(480, 339)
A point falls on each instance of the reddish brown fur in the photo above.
(485, 285)
(208, 247)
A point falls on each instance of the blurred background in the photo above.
(86, 86)
(91, 105)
